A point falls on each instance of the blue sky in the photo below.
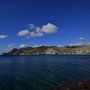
(59, 22)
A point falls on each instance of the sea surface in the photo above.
(40, 72)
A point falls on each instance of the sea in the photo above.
(40, 72)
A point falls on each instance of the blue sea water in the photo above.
(39, 72)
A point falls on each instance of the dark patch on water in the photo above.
(76, 83)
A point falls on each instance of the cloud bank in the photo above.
(81, 43)
(38, 31)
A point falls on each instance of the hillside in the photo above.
(50, 50)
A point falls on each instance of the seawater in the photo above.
(39, 72)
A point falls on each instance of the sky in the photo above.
(43, 22)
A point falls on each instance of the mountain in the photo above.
(47, 50)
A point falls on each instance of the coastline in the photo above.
(51, 50)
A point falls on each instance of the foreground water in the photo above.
(41, 72)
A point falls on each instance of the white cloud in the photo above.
(6, 49)
(3, 36)
(81, 38)
(10, 45)
(23, 33)
(34, 34)
(32, 26)
(39, 45)
(76, 44)
(23, 46)
(49, 28)
(79, 44)
(37, 31)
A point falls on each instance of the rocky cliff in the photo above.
(50, 50)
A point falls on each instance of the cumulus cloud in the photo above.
(81, 38)
(23, 33)
(49, 28)
(32, 26)
(3, 36)
(23, 46)
(38, 31)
